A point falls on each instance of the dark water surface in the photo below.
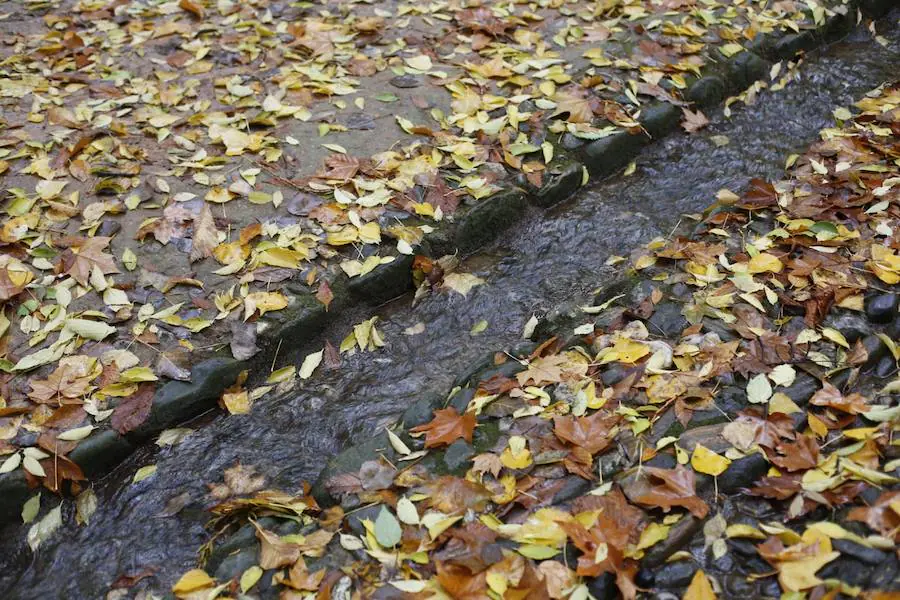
(547, 259)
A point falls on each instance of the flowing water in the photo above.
(546, 259)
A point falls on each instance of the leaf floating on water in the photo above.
(310, 364)
(44, 528)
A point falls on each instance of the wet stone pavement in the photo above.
(535, 267)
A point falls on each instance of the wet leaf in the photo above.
(447, 427)
(387, 529)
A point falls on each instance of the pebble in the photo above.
(406, 81)
(871, 556)
(802, 389)
(743, 547)
(667, 321)
(852, 326)
(886, 576)
(876, 349)
(738, 586)
(108, 228)
(458, 454)
(848, 570)
(886, 367)
(882, 308)
(602, 587)
(676, 574)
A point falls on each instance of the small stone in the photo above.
(237, 563)
(602, 587)
(739, 586)
(876, 349)
(108, 228)
(886, 576)
(645, 578)
(886, 367)
(802, 389)
(457, 455)
(848, 570)
(851, 325)
(867, 555)
(406, 81)
(743, 547)
(742, 472)
(882, 308)
(573, 487)
(675, 575)
(354, 521)
(769, 588)
(667, 321)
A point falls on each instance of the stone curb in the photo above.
(471, 228)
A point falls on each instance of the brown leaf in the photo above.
(799, 455)
(693, 120)
(324, 294)
(882, 515)
(447, 427)
(84, 255)
(665, 488)
(133, 410)
(192, 7)
(830, 396)
(593, 433)
(454, 495)
(206, 236)
(340, 166)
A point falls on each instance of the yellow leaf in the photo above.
(516, 455)
(653, 534)
(764, 262)
(625, 350)
(420, 63)
(706, 461)
(782, 403)
(250, 577)
(282, 257)
(801, 574)
(817, 425)
(700, 588)
(835, 336)
(263, 302)
(193, 580)
(741, 530)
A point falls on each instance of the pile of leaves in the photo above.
(153, 201)
(761, 277)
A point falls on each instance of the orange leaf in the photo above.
(447, 427)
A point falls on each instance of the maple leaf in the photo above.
(546, 369)
(603, 548)
(67, 383)
(693, 120)
(340, 166)
(482, 19)
(85, 255)
(206, 236)
(592, 433)
(665, 488)
(831, 396)
(239, 480)
(883, 516)
(574, 103)
(799, 455)
(460, 583)
(447, 427)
